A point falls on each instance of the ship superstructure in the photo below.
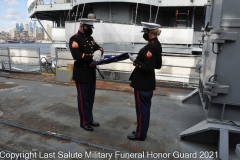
(176, 17)
(118, 26)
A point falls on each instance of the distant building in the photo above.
(17, 34)
(17, 27)
(26, 27)
(30, 24)
(31, 32)
(30, 29)
(35, 32)
(39, 34)
(40, 30)
(34, 27)
(24, 34)
(48, 28)
(21, 28)
(5, 33)
(12, 33)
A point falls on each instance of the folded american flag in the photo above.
(110, 59)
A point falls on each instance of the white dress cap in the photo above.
(87, 21)
(149, 26)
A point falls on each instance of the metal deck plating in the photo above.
(47, 114)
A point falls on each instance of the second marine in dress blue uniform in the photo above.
(143, 78)
(84, 50)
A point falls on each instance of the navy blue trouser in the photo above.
(143, 105)
(85, 97)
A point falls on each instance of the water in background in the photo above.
(44, 47)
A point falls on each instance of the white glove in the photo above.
(97, 55)
(132, 57)
(102, 57)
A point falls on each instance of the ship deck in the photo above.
(40, 115)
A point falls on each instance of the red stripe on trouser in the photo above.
(140, 115)
(81, 104)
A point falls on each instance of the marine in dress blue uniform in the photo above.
(143, 79)
(84, 51)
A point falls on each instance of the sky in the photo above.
(13, 12)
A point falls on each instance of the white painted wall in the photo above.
(123, 33)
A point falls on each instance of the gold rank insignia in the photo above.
(75, 44)
(149, 54)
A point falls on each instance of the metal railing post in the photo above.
(56, 54)
(9, 59)
(39, 57)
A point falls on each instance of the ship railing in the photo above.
(31, 61)
(47, 2)
(4, 58)
(20, 60)
(130, 23)
(171, 71)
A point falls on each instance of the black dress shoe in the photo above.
(133, 132)
(134, 138)
(87, 128)
(94, 124)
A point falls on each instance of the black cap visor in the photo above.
(144, 30)
(88, 26)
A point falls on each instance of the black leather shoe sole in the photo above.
(94, 124)
(132, 137)
(87, 128)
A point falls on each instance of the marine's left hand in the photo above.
(132, 57)
(97, 55)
